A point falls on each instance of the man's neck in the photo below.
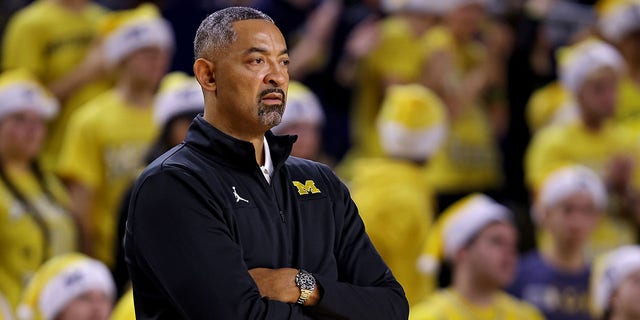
(473, 290)
(618, 316)
(592, 124)
(566, 258)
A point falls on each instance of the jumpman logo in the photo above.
(238, 197)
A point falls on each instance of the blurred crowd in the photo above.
(491, 146)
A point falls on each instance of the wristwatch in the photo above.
(307, 283)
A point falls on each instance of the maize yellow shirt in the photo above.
(449, 305)
(104, 150)
(628, 109)
(397, 57)
(124, 309)
(23, 241)
(397, 210)
(469, 159)
(50, 41)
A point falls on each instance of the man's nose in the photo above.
(277, 76)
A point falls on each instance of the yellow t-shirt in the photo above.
(50, 41)
(397, 210)
(449, 305)
(397, 58)
(104, 149)
(124, 309)
(628, 108)
(469, 159)
(23, 247)
(22, 239)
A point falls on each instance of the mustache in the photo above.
(273, 90)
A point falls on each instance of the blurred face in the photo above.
(491, 256)
(252, 78)
(598, 94)
(571, 221)
(21, 135)
(309, 136)
(92, 305)
(465, 20)
(147, 65)
(625, 299)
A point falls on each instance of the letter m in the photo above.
(308, 187)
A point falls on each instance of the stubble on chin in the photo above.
(270, 115)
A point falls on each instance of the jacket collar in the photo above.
(235, 152)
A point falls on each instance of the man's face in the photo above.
(22, 134)
(252, 77)
(492, 254)
(572, 220)
(598, 94)
(147, 65)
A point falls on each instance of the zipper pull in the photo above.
(282, 217)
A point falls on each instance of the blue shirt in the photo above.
(559, 295)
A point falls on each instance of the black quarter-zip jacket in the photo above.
(203, 214)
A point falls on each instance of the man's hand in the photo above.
(280, 285)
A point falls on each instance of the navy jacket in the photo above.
(202, 215)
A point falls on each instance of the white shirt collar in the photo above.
(267, 168)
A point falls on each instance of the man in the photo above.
(107, 138)
(58, 41)
(477, 236)
(567, 209)
(591, 71)
(224, 225)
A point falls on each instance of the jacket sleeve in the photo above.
(184, 250)
(365, 288)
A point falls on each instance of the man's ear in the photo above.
(203, 70)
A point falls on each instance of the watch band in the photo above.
(307, 283)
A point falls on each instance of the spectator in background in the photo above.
(477, 235)
(303, 117)
(69, 287)
(107, 139)
(567, 209)
(380, 53)
(397, 207)
(620, 25)
(179, 100)
(616, 285)
(57, 40)
(468, 76)
(34, 206)
(591, 71)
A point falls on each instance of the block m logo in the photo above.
(308, 187)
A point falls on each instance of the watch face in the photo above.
(305, 281)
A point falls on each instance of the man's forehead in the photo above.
(257, 30)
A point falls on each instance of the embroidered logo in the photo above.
(309, 186)
(238, 197)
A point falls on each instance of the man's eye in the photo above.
(286, 62)
(258, 60)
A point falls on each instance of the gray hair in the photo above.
(216, 31)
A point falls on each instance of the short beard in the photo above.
(271, 115)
